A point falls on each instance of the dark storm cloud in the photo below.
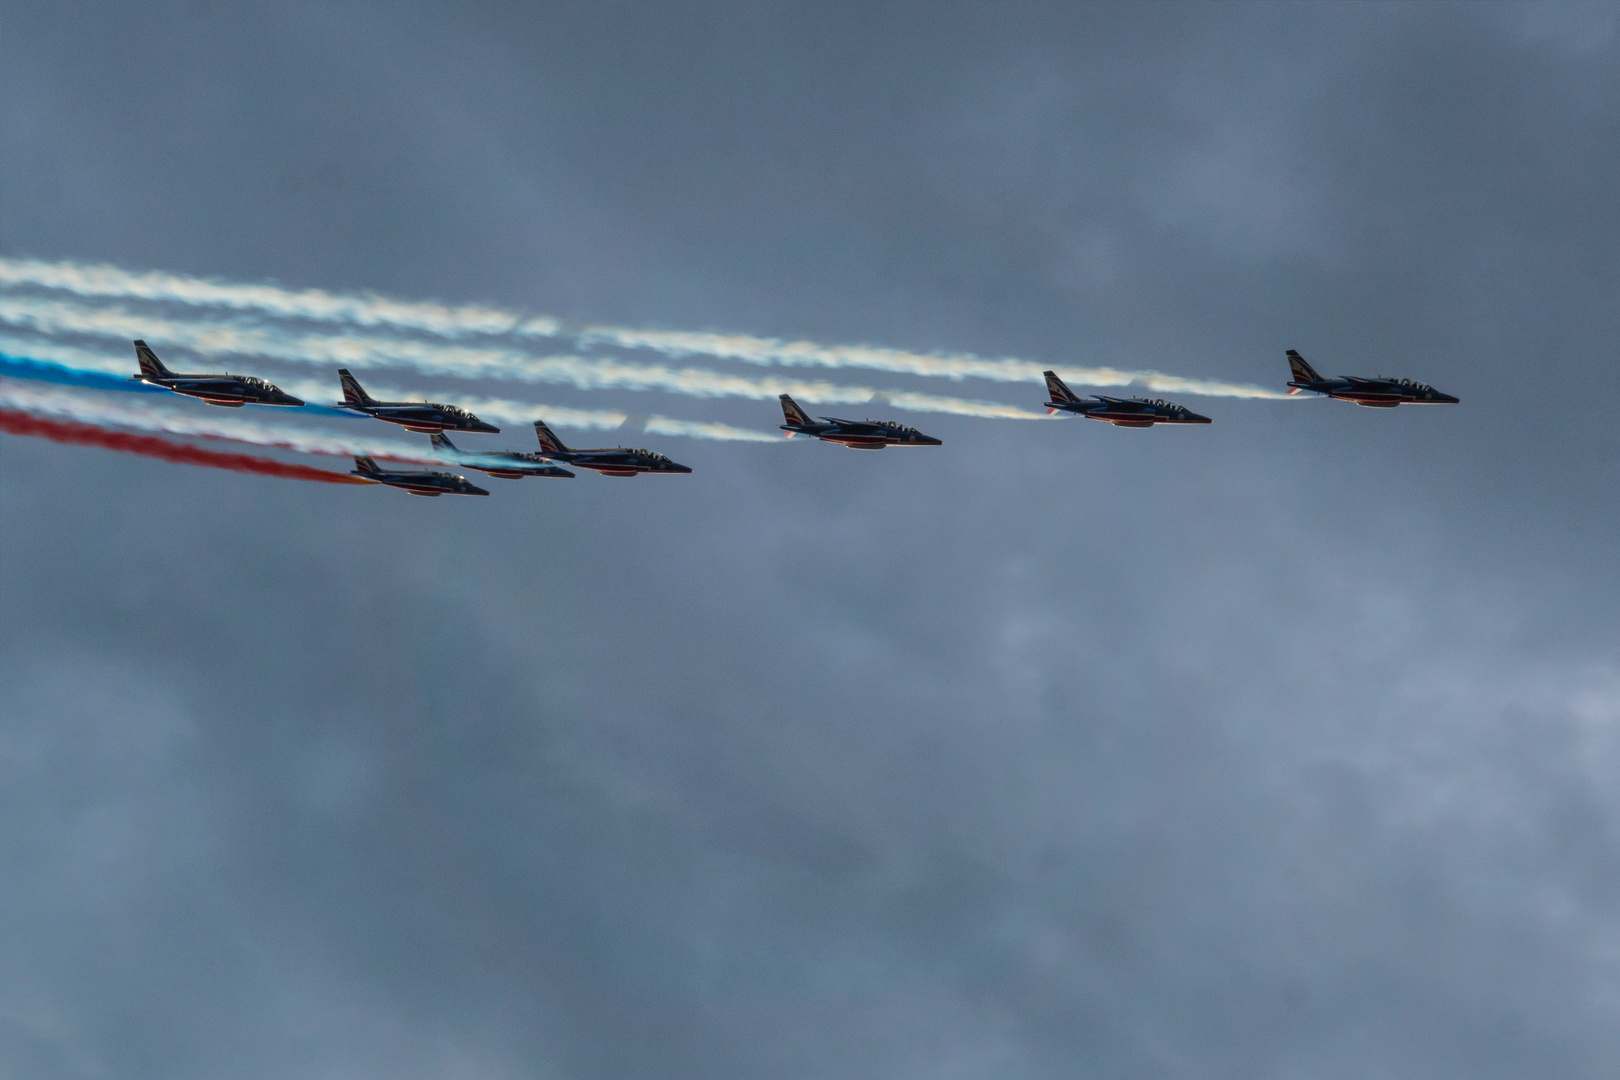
(1278, 748)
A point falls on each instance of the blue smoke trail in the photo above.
(18, 367)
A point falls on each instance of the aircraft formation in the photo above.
(434, 419)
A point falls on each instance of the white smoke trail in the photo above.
(455, 322)
(954, 366)
(520, 414)
(315, 305)
(958, 407)
(698, 429)
(360, 351)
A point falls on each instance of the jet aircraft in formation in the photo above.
(431, 484)
(855, 434)
(230, 391)
(234, 391)
(612, 461)
(521, 465)
(1121, 412)
(410, 415)
(1379, 393)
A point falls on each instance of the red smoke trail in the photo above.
(66, 431)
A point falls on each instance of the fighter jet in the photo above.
(1121, 412)
(410, 415)
(614, 461)
(521, 464)
(855, 434)
(1379, 393)
(229, 391)
(432, 484)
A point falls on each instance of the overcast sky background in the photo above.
(1287, 747)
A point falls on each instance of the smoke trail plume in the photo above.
(315, 305)
(490, 362)
(67, 431)
(456, 322)
(953, 366)
(143, 416)
(146, 414)
(90, 379)
(80, 367)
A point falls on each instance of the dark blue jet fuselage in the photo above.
(1121, 412)
(855, 434)
(224, 389)
(425, 416)
(1379, 393)
(609, 461)
(417, 483)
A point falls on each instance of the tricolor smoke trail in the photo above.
(450, 322)
(141, 415)
(67, 431)
(71, 365)
(145, 415)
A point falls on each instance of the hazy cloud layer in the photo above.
(1283, 747)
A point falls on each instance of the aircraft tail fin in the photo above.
(151, 366)
(1057, 389)
(363, 463)
(354, 394)
(549, 443)
(1303, 372)
(794, 414)
(441, 441)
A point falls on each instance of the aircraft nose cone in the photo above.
(1447, 399)
(1197, 419)
(288, 399)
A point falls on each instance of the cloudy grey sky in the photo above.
(1286, 748)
